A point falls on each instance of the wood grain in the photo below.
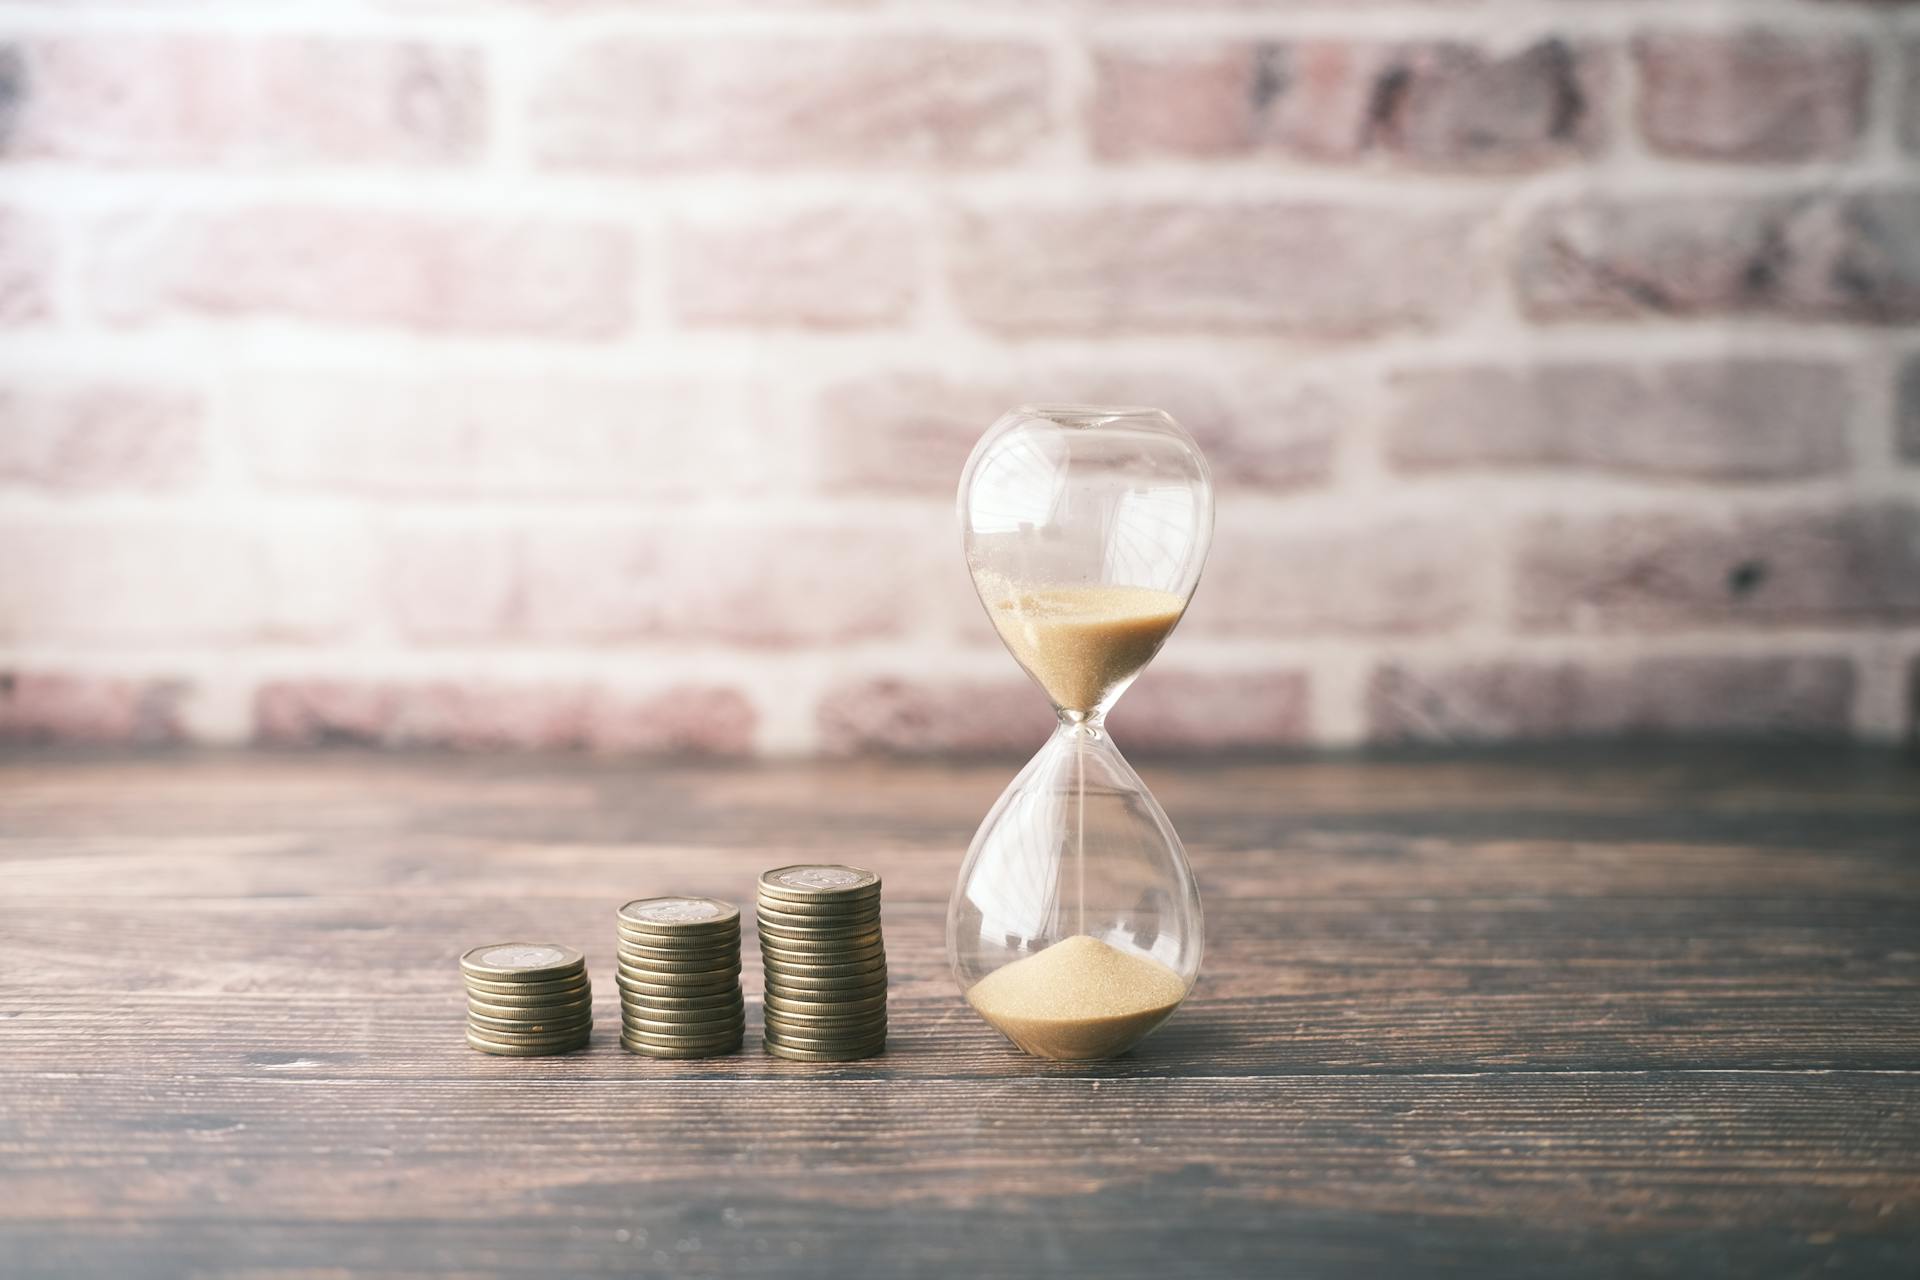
(1574, 1013)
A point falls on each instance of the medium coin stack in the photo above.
(680, 978)
(527, 999)
(826, 963)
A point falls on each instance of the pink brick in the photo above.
(1173, 710)
(135, 581)
(481, 715)
(902, 716)
(1910, 98)
(307, 713)
(1442, 105)
(823, 268)
(1307, 269)
(1821, 255)
(318, 576)
(694, 719)
(43, 707)
(749, 583)
(1202, 101)
(477, 433)
(912, 431)
(1402, 576)
(1166, 711)
(86, 434)
(1731, 419)
(454, 582)
(1751, 94)
(1449, 104)
(27, 258)
(367, 267)
(204, 99)
(862, 101)
(1663, 570)
(1511, 698)
(1907, 409)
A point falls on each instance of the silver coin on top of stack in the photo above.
(527, 999)
(680, 978)
(825, 961)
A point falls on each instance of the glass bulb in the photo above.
(1075, 928)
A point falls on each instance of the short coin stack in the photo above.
(826, 963)
(527, 999)
(680, 978)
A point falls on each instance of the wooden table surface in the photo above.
(1567, 1013)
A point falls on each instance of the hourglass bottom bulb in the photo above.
(1080, 998)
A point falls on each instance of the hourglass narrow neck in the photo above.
(1092, 723)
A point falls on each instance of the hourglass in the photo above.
(1075, 929)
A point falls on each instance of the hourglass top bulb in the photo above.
(1085, 529)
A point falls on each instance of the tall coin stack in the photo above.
(680, 978)
(527, 999)
(826, 963)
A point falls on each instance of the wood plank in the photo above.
(1714, 1144)
(1580, 1013)
(370, 986)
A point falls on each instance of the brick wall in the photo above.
(597, 372)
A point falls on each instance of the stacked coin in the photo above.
(680, 978)
(825, 961)
(527, 999)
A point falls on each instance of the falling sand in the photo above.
(1079, 998)
(1081, 642)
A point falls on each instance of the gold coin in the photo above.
(580, 991)
(851, 969)
(838, 923)
(817, 926)
(631, 1023)
(535, 990)
(811, 948)
(852, 1054)
(813, 882)
(689, 1017)
(527, 1032)
(827, 905)
(672, 1036)
(666, 949)
(816, 1038)
(515, 1027)
(703, 990)
(815, 952)
(825, 1022)
(522, 962)
(646, 969)
(678, 1004)
(819, 952)
(675, 949)
(514, 1049)
(817, 914)
(821, 988)
(678, 961)
(672, 971)
(661, 1051)
(512, 1012)
(677, 915)
(788, 939)
(668, 1032)
(800, 1039)
(777, 1003)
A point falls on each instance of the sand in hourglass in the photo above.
(1079, 642)
(1079, 998)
